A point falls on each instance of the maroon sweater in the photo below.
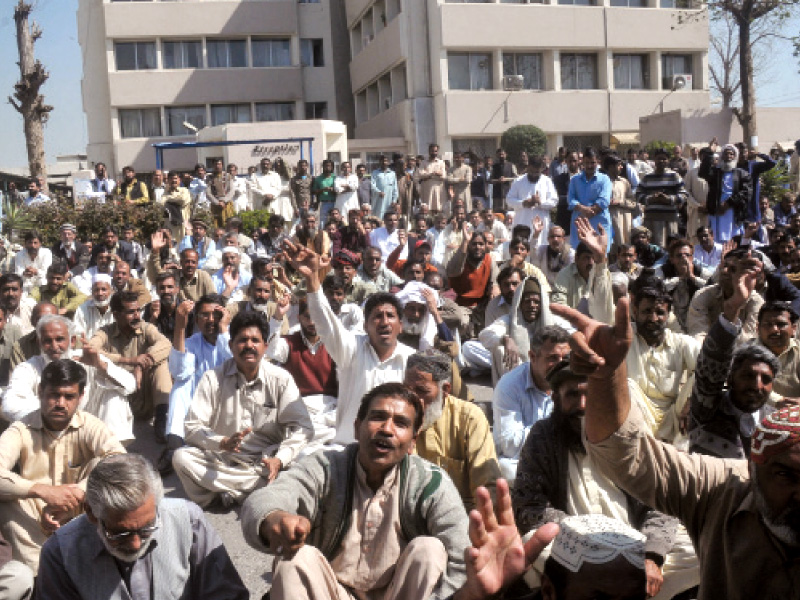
(313, 373)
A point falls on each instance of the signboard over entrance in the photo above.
(272, 151)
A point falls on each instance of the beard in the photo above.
(728, 166)
(434, 411)
(570, 428)
(784, 526)
(168, 299)
(410, 328)
(126, 557)
(102, 303)
(260, 306)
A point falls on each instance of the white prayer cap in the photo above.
(104, 277)
(511, 214)
(596, 539)
(412, 292)
(230, 250)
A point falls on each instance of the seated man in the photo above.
(732, 385)
(133, 542)
(231, 280)
(140, 349)
(573, 281)
(506, 341)
(364, 360)
(660, 362)
(190, 358)
(372, 270)
(522, 396)
(103, 266)
(455, 434)
(682, 278)
(32, 262)
(18, 306)
(246, 422)
(71, 251)
(16, 579)
(304, 356)
(55, 447)
(27, 346)
(553, 256)
(473, 277)
(200, 242)
(742, 516)
(627, 262)
(9, 334)
(162, 312)
(107, 385)
(344, 264)
(124, 281)
(777, 326)
(551, 485)
(95, 313)
(423, 326)
(193, 282)
(349, 313)
(264, 297)
(59, 292)
(384, 519)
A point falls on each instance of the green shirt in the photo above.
(68, 297)
(321, 182)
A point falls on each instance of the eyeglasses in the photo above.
(123, 536)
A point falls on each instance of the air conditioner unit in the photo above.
(682, 81)
(513, 83)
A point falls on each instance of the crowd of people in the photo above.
(637, 319)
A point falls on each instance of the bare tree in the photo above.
(27, 100)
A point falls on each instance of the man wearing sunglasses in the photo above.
(134, 543)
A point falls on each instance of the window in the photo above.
(578, 143)
(629, 3)
(480, 147)
(311, 53)
(527, 65)
(316, 110)
(230, 113)
(139, 122)
(674, 64)
(578, 2)
(177, 115)
(225, 54)
(274, 111)
(630, 72)
(183, 54)
(680, 4)
(469, 71)
(134, 56)
(579, 71)
(271, 53)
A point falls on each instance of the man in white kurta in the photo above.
(32, 262)
(247, 421)
(107, 385)
(532, 195)
(431, 177)
(364, 360)
(346, 188)
(267, 186)
(95, 312)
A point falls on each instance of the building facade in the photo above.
(461, 72)
(159, 71)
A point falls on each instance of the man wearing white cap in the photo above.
(94, 314)
(71, 251)
(422, 321)
(230, 280)
(593, 557)
(728, 194)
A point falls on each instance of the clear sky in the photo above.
(59, 51)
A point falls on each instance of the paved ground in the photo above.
(254, 567)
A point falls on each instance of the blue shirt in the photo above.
(219, 282)
(517, 405)
(591, 192)
(202, 252)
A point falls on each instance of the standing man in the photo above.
(197, 188)
(589, 196)
(178, 201)
(729, 190)
(131, 190)
(662, 195)
(384, 187)
(220, 195)
(300, 188)
(246, 422)
(323, 189)
(35, 194)
(101, 184)
(431, 177)
(157, 186)
(561, 183)
(346, 188)
(503, 173)
(697, 194)
(532, 195)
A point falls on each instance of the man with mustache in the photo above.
(133, 542)
(349, 313)
(777, 325)
(55, 447)
(246, 422)
(551, 485)
(58, 291)
(261, 297)
(743, 516)
(364, 360)
(194, 282)
(162, 312)
(123, 281)
(729, 191)
(141, 349)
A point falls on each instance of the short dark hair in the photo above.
(551, 333)
(209, 299)
(108, 228)
(333, 282)
(582, 249)
(517, 241)
(376, 300)
(392, 390)
(276, 220)
(168, 274)
(58, 267)
(63, 371)
(412, 262)
(10, 278)
(250, 318)
(120, 299)
(507, 272)
(31, 235)
(778, 306)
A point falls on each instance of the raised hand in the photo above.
(745, 278)
(182, 313)
(157, 241)
(596, 242)
(597, 349)
(498, 557)
(304, 260)
(538, 225)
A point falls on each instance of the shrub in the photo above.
(657, 144)
(528, 138)
(253, 219)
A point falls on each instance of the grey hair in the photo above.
(755, 352)
(551, 333)
(122, 483)
(46, 320)
(438, 364)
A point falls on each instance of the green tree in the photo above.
(523, 138)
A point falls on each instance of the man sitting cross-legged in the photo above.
(247, 421)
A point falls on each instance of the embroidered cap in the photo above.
(776, 433)
(596, 539)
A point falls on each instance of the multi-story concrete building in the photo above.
(151, 67)
(461, 72)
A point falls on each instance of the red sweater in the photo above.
(313, 373)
